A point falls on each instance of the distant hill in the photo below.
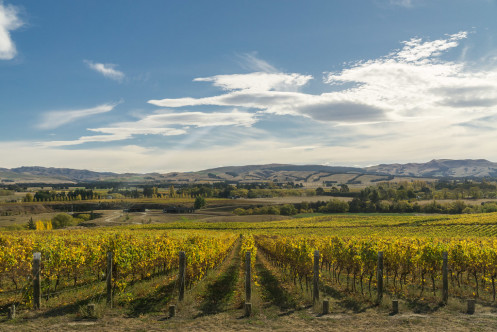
(63, 173)
(309, 175)
(440, 168)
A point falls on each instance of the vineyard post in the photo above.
(326, 307)
(182, 270)
(445, 280)
(109, 278)
(248, 278)
(471, 306)
(36, 280)
(395, 307)
(12, 312)
(172, 311)
(379, 276)
(315, 293)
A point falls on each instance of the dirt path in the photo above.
(278, 305)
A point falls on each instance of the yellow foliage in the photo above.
(39, 225)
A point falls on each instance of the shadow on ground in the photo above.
(220, 291)
(273, 292)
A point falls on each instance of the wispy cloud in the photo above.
(165, 123)
(106, 69)
(402, 3)
(9, 21)
(251, 62)
(54, 119)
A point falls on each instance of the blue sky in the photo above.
(140, 86)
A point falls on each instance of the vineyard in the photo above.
(278, 257)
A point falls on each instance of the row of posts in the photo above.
(379, 278)
(248, 279)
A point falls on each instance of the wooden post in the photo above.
(315, 288)
(90, 308)
(109, 278)
(395, 307)
(12, 312)
(248, 277)
(182, 270)
(445, 280)
(248, 309)
(172, 311)
(36, 280)
(471, 306)
(326, 307)
(379, 277)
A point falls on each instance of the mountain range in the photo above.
(306, 174)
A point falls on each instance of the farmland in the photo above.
(145, 271)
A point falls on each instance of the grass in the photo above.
(273, 292)
(278, 303)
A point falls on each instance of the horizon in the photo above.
(252, 165)
(127, 87)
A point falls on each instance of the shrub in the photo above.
(62, 220)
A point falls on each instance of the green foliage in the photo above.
(335, 206)
(288, 210)
(63, 220)
(240, 212)
(28, 198)
(31, 224)
(199, 202)
(84, 216)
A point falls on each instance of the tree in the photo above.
(28, 197)
(288, 210)
(31, 224)
(62, 220)
(199, 202)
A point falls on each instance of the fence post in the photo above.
(172, 311)
(91, 311)
(248, 277)
(109, 278)
(379, 277)
(445, 279)
(248, 309)
(12, 312)
(315, 293)
(326, 307)
(395, 307)
(36, 280)
(471, 306)
(182, 270)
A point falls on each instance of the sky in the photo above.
(161, 86)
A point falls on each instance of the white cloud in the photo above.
(9, 21)
(455, 144)
(54, 119)
(116, 134)
(417, 51)
(258, 81)
(411, 105)
(106, 69)
(161, 123)
(411, 83)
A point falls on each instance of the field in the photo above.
(145, 273)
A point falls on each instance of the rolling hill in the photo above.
(310, 175)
